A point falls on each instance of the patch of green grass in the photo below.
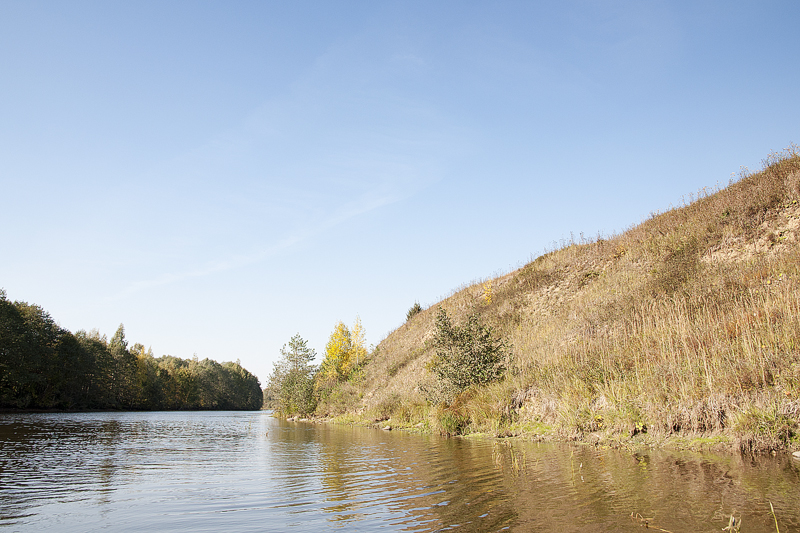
(530, 429)
(764, 428)
(349, 418)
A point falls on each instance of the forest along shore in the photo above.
(46, 368)
(683, 330)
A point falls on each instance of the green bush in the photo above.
(414, 310)
(466, 355)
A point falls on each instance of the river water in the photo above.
(247, 471)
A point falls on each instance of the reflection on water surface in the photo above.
(245, 471)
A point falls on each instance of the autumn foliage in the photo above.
(344, 351)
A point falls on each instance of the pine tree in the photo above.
(292, 380)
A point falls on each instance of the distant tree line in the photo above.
(44, 366)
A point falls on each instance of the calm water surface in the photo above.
(235, 471)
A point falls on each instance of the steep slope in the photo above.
(685, 324)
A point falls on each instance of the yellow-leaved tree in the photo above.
(357, 343)
(345, 351)
(337, 352)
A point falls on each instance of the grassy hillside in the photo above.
(687, 324)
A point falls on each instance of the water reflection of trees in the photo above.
(293, 457)
(54, 456)
(422, 482)
(339, 478)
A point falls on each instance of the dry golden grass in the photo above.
(688, 322)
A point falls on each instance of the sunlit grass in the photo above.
(686, 323)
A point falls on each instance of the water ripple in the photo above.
(251, 472)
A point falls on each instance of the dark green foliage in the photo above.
(43, 366)
(225, 386)
(466, 355)
(414, 310)
(291, 384)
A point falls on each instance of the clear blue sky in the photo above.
(219, 176)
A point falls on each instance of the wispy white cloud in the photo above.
(221, 265)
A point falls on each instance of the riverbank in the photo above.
(684, 330)
(697, 442)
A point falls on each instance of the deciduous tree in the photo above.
(338, 352)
